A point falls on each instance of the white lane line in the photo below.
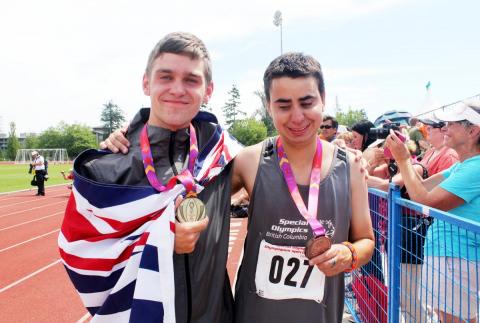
(17, 225)
(84, 318)
(33, 208)
(31, 189)
(27, 241)
(30, 201)
(28, 276)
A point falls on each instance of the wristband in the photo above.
(354, 256)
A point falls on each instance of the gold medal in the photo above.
(316, 246)
(191, 209)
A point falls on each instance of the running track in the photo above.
(34, 286)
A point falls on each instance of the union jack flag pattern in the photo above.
(116, 241)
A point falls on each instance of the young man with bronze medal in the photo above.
(295, 256)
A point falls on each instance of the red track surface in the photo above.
(34, 287)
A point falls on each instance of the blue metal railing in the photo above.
(426, 264)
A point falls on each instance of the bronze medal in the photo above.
(191, 209)
(316, 246)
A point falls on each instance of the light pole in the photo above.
(277, 21)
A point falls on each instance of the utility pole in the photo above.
(277, 21)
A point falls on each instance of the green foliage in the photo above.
(206, 107)
(351, 117)
(78, 138)
(112, 116)
(263, 113)
(75, 138)
(249, 131)
(31, 141)
(230, 110)
(12, 143)
(52, 138)
(3, 154)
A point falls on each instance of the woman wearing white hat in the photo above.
(452, 251)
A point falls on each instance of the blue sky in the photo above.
(62, 60)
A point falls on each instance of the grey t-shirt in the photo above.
(275, 219)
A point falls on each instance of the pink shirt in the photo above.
(445, 158)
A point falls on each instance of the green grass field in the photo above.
(16, 177)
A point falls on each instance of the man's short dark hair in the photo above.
(293, 65)
(334, 121)
(182, 43)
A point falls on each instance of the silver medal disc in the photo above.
(190, 210)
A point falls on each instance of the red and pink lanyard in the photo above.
(186, 177)
(309, 214)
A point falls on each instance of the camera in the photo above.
(383, 131)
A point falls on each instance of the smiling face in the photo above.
(455, 134)
(296, 109)
(177, 87)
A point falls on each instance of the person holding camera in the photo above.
(436, 159)
(38, 163)
(456, 190)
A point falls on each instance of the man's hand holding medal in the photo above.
(190, 213)
(187, 233)
(337, 259)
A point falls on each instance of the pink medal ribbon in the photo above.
(309, 214)
(186, 177)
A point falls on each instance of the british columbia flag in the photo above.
(116, 241)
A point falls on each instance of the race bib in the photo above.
(283, 272)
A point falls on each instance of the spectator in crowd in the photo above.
(456, 190)
(417, 135)
(38, 164)
(437, 158)
(361, 137)
(361, 141)
(344, 140)
(329, 128)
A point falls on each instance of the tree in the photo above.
(351, 117)
(206, 107)
(51, 138)
(112, 116)
(249, 131)
(75, 138)
(230, 110)
(263, 113)
(12, 143)
(31, 141)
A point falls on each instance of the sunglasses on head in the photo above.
(325, 127)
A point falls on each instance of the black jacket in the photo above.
(202, 287)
